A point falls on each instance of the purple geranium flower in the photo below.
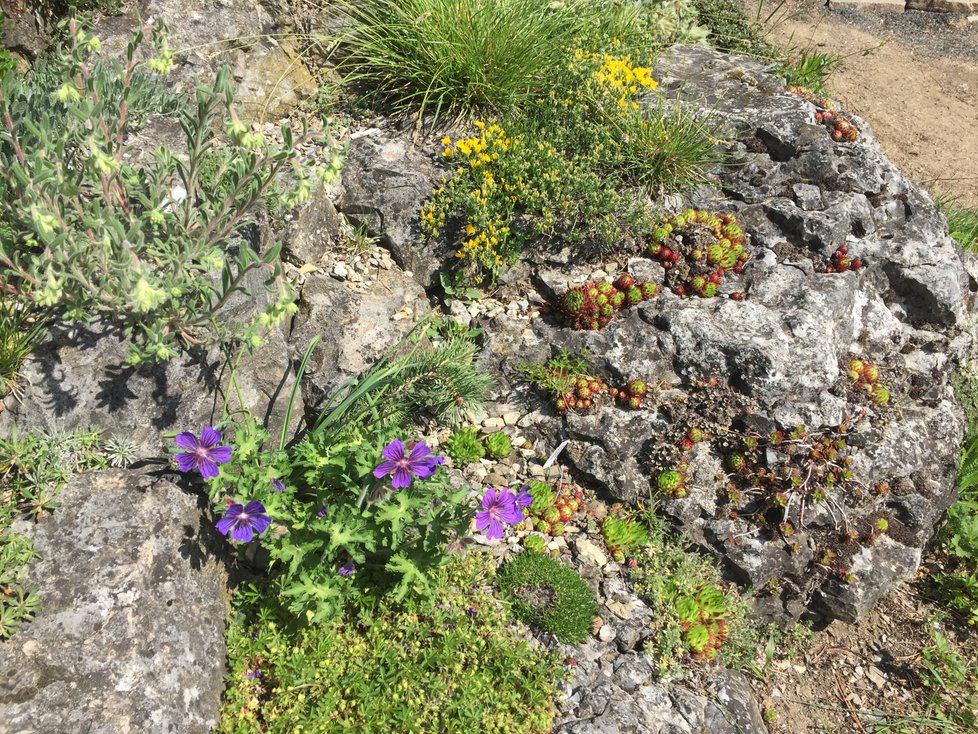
(419, 463)
(347, 568)
(277, 486)
(202, 454)
(243, 522)
(253, 674)
(498, 507)
(524, 498)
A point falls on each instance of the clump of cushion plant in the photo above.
(623, 535)
(498, 445)
(592, 305)
(671, 483)
(865, 376)
(571, 387)
(548, 594)
(535, 543)
(841, 129)
(699, 249)
(464, 446)
(703, 617)
(552, 509)
(394, 674)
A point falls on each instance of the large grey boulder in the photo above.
(357, 325)
(266, 66)
(77, 378)
(130, 634)
(386, 178)
(780, 356)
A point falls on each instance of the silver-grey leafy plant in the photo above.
(158, 248)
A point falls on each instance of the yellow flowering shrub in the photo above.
(570, 169)
(498, 177)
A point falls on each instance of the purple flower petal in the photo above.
(220, 454)
(394, 451)
(277, 486)
(187, 440)
(481, 519)
(402, 478)
(419, 451)
(489, 498)
(524, 498)
(384, 469)
(243, 533)
(261, 523)
(186, 462)
(511, 515)
(423, 472)
(254, 507)
(209, 437)
(208, 469)
(224, 525)
(495, 530)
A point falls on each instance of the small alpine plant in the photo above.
(499, 506)
(202, 454)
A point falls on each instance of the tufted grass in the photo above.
(458, 56)
(962, 223)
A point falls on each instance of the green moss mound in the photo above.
(548, 594)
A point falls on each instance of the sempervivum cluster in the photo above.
(824, 102)
(839, 127)
(583, 390)
(865, 375)
(698, 248)
(842, 261)
(632, 394)
(552, 509)
(592, 305)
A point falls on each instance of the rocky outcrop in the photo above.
(779, 356)
(78, 378)
(385, 179)
(357, 324)
(130, 636)
(266, 66)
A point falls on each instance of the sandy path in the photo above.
(919, 91)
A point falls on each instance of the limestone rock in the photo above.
(356, 328)
(269, 76)
(130, 634)
(77, 378)
(386, 179)
(780, 355)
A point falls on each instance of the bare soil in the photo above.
(913, 76)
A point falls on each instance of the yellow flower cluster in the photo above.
(485, 191)
(480, 149)
(618, 75)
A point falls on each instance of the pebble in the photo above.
(621, 610)
(511, 418)
(536, 470)
(606, 633)
(340, 271)
(479, 473)
(493, 423)
(876, 676)
(590, 553)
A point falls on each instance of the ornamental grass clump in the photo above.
(546, 593)
(89, 234)
(457, 56)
